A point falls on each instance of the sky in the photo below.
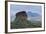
(28, 8)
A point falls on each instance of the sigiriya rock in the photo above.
(21, 21)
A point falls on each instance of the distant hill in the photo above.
(32, 14)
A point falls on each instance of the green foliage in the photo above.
(19, 23)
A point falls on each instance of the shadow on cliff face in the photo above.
(21, 21)
(22, 15)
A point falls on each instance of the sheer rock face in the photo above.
(22, 15)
